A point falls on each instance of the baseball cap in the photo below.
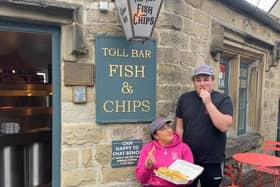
(158, 123)
(203, 70)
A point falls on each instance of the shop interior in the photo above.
(25, 108)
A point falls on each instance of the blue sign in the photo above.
(125, 80)
(125, 152)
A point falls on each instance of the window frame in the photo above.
(236, 50)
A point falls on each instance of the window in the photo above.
(243, 61)
(223, 77)
(242, 104)
(241, 76)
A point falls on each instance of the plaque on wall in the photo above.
(78, 74)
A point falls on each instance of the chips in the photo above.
(172, 174)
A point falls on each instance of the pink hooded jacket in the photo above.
(164, 156)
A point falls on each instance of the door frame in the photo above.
(56, 86)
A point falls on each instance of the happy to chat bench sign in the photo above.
(125, 152)
(125, 80)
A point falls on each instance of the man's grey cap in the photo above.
(203, 70)
(158, 123)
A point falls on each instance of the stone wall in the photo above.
(183, 38)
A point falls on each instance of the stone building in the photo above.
(237, 39)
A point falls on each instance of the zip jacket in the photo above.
(164, 157)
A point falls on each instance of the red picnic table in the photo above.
(255, 159)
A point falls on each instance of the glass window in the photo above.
(242, 106)
(265, 5)
(223, 76)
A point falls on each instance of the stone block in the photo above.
(174, 39)
(168, 92)
(66, 94)
(187, 59)
(195, 3)
(273, 116)
(76, 44)
(103, 155)
(78, 177)
(102, 28)
(169, 74)
(242, 144)
(167, 55)
(186, 76)
(204, 32)
(121, 133)
(191, 28)
(83, 134)
(117, 174)
(267, 84)
(94, 16)
(87, 157)
(170, 21)
(78, 112)
(187, 88)
(178, 7)
(70, 159)
(201, 17)
(165, 108)
(198, 47)
(146, 137)
(271, 75)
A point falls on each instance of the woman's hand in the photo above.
(150, 160)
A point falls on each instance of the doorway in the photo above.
(30, 112)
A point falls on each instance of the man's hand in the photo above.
(150, 160)
(220, 120)
(205, 96)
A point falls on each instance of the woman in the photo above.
(162, 151)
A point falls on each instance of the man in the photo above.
(202, 118)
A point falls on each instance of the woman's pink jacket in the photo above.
(164, 156)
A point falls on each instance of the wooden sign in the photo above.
(125, 80)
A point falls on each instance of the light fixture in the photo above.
(138, 17)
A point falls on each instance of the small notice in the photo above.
(125, 153)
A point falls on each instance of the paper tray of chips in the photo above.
(186, 168)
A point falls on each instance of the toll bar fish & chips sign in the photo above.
(125, 153)
(125, 80)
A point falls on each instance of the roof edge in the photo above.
(43, 4)
(253, 12)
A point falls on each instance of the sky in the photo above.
(263, 4)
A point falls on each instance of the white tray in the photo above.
(189, 169)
